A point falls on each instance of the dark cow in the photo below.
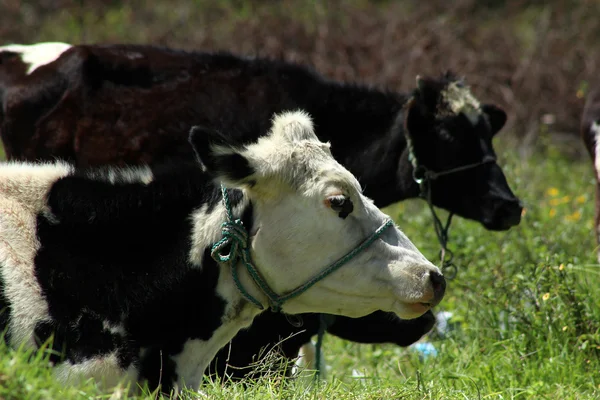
(590, 133)
(131, 104)
(117, 264)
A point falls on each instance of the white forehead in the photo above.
(36, 55)
(457, 99)
(293, 151)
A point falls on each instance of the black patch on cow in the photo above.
(158, 369)
(234, 166)
(8, 55)
(84, 339)
(270, 332)
(382, 327)
(270, 329)
(119, 255)
(4, 312)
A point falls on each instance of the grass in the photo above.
(525, 304)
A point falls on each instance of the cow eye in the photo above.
(340, 204)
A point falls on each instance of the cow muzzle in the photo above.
(505, 214)
(420, 293)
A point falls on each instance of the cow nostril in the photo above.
(438, 282)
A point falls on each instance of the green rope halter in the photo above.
(235, 236)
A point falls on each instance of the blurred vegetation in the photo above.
(534, 58)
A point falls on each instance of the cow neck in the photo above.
(236, 240)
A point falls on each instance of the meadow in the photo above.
(525, 310)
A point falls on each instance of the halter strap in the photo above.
(235, 237)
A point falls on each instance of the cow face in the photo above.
(450, 129)
(309, 211)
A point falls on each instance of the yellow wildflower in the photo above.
(546, 296)
(576, 216)
(552, 213)
(561, 267)
(552, 192)
(562, 200)
(580, 199)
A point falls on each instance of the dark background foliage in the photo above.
(536, 59)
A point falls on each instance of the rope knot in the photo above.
(233, 243)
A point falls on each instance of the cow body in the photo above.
(130, 104)
(115, 265)
(134, 104)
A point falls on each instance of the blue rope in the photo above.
(235, 236)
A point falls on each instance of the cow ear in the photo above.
(220, 158)
(496, 116)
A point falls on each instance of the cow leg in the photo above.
(306, 363)
(24, 304)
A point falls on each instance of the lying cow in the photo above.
(590, 133)
(131, 104)
(117, 265)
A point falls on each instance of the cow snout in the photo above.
(507, 214)
(438, 283)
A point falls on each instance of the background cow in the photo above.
(590, 134)
(130, 104)
(116, 264)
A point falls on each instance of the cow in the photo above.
(133, 104)
(590, 134)
(131, 270)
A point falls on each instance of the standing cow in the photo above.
(117, 264)
(133, 104)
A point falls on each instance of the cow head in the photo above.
(308, 211)
(450, 129)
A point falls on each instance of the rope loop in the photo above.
(235, 238)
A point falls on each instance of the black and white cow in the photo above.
(132, 104)
(116, 264)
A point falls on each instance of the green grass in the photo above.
(526, 307)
